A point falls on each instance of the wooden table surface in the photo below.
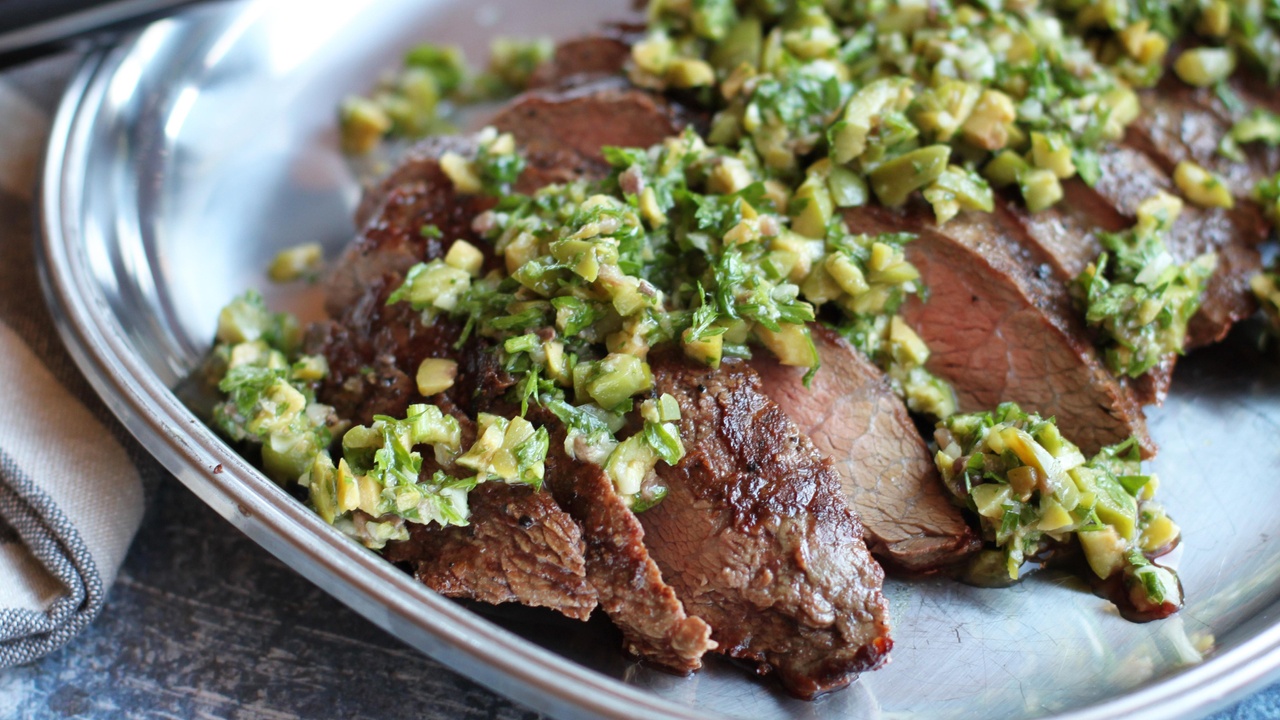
(203, 623)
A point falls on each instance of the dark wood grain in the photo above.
(204, 623)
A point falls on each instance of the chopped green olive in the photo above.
(1204, 66)
(896, 179)
(1201, 186)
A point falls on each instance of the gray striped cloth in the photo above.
(70, 492)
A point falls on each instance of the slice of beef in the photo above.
(392, 214)
(628, 583)
(587, 58)
(562, 131)
(1000, 330)
(519, 547)
(853, 417)
(656, 625)
(756, 537)
(1067, 233)
(373, 351)
(1179, 122)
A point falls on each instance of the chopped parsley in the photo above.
(1136, 297)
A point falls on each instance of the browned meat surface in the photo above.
(656, 625)
(853, 417)
(998, 331)
(1179, 122)
(756, 537)
(630, 587)
(1066, 233)
(565, 129)
(391, 217)
(585, 58)
(520, 547)
(425, 191)
(1153, 386)
(373, 350)
(560, 133)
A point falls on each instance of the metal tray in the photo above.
(185, 156)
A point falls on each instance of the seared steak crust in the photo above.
(373, 350)
(630, 587)
(756, 537)
(655, 624)
(392, 214)
(886, 472)
(586, 58)
(520, 547)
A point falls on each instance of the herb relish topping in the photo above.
(268, 388)
(1134, 37)
(1032, 490)
(1137, 299)
(269, 402)
(947, 98)
(423, 97)
(683, 243)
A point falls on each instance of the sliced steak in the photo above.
(999, 331)
(853, 417)
(1179, 122)
(756, 537)
(655, 624)
(628, 583)
(520, 547)
(583, 59)
(373, 351)
(565, 129)
(392, 214)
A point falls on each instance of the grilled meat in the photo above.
(997, 330)
(519, 547)
(755, 535)
(853, 417)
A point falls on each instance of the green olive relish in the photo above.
(946, 98)
(268, 388)
(268, 401)
(1136, 297)
(1032, 489)
(683, 244)
(380, 472)
(422, 98)
(1135, 36)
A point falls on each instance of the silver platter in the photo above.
(185, 156)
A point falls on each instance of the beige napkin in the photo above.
(70, 496)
